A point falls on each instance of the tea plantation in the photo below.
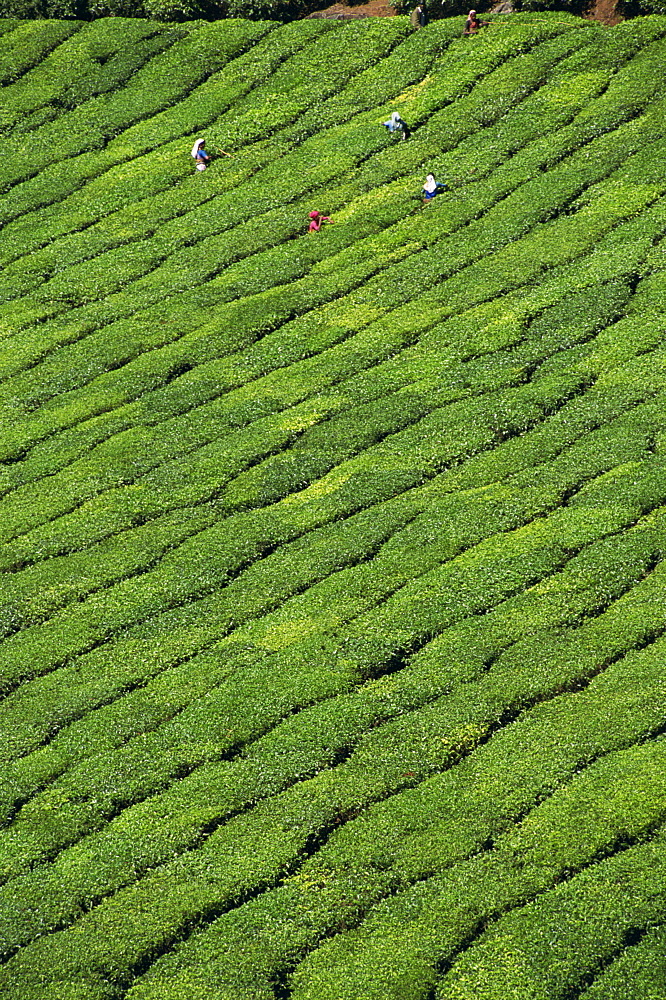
(333, 593)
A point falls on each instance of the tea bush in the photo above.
(332, 565)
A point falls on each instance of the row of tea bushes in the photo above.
(333, 565)
(197, 884)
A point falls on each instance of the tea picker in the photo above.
(316, 220)
(472, 24)
(432, 188)
(203, 159)
(200, 155)
(419, 16)
(397, 127)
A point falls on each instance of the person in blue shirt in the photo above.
(431, 189)
(396, 126)
(200, 155)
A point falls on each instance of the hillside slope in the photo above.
(333, 585)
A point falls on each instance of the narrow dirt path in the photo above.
(374, 8)
(604, 11)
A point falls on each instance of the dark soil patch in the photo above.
(342, 12)
(605, 11)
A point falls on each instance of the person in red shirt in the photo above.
(316, 219)
(472, 24)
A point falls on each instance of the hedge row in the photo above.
(400, 68)
(261, 846)
(96, 59)
(409, 397)
(165, 79)
(169, 79)
(259, 475)
(377, 636)
(426, 277)
(639, 971)
(242, 71)
(333, 565)
(184, 228)
(361, 86)
(316, 737)
(26, 45)
(521, 453)
(154, 319)
(139, 223)
(173, 582)
(449, 818)
(631, 433)
(604, 809)
(346, 432)
(618, 899)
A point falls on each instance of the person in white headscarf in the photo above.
(200, 155)
(397, 126)
(472, 24)
(431, 188)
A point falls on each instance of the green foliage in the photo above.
(25, 45)
(572, 6)
(650, 7)
(160, 10)
(638, 972)
(332, 566)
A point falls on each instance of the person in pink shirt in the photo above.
(316, 219)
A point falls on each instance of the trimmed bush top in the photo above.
(332, 509)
